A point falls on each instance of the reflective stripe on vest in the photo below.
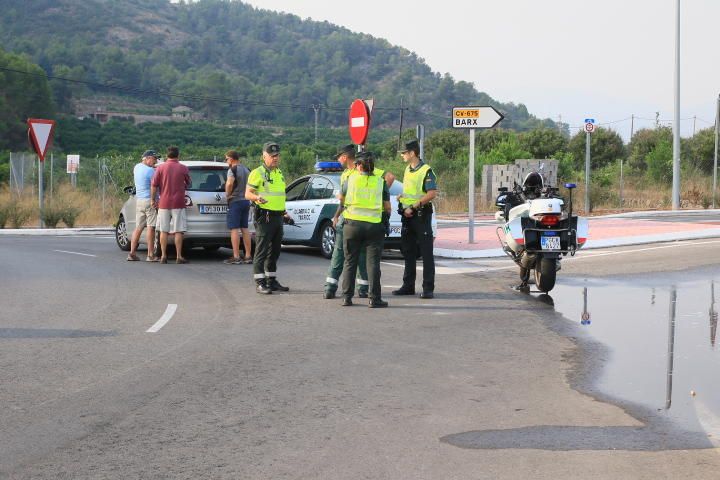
(272, 189)
(363, 201)
(413, 185)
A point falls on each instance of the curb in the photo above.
(57, 232)
(592, 244)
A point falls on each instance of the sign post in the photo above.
(589, 129)
(472, 118)
(73, 163)
(40, 133)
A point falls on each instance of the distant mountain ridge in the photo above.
(272, 67)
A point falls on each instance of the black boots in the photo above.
(275, 285)
(262, 288)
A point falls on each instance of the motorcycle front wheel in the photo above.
(545, 274)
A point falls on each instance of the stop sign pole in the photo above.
(589, 129)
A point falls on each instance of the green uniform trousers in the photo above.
(362, 237)
(268, 239)
(336, 265)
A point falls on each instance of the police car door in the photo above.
(307, 211)
(294, 203)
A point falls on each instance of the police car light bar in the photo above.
(328, 167)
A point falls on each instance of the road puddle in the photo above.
(662, 341)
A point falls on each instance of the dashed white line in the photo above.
(169, 312)
(75, 253)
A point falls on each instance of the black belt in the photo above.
(272, 213)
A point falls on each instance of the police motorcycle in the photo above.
(539, 229)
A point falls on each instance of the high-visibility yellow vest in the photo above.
(270, 186)
(413, 186)
(363, 201)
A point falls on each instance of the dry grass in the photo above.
(87, 207)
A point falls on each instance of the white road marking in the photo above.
(75, 253)
(393, 264)
(169, 312)
(675, 245)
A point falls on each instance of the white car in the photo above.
(206, 208)
(312, 202)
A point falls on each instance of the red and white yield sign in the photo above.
(40, 133)
(359, 122)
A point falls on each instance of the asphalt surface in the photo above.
(481, 382)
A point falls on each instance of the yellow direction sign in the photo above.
(475, 117)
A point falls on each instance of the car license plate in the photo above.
(394, 231)
(550, 243)
(218, 209)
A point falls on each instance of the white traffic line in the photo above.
(674, 245)
(75, 253)
(169, 312)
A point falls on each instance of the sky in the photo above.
(606, 60)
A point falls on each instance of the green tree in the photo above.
(699, 150)
(606, 146)
(645, 141)
(21, 97)
(543, 142)
(659, 162)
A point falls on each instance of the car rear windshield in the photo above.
(208, 179)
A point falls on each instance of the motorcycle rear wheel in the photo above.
(545, 272)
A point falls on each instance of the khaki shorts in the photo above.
(172, 220)
(145, 214)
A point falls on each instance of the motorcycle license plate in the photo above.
(550, 243)
(213, 209)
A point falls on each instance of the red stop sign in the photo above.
(359, 122)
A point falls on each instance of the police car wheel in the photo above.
(327, 239)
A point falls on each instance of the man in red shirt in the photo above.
(172, 178)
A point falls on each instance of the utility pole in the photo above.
(402, 111)
(676, 122)
(316, 107)
(715, 158)
(632, 126)
(694, 121)
(560, 124)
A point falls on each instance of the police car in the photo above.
(312, 202)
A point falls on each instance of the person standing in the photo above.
(346, 157)
(266, 189)
(145, 213)
(419, 190)
(172, 179)
(364, 198)
(238, 208)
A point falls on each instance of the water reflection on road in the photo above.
(661, 334)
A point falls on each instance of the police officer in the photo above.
(364, 198)
(266, 189)
(419, 189)
(346, 157)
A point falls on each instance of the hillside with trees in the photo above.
(231, 61)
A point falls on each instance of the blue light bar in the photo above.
(328, 167)
(570, 185)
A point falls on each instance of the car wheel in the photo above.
(327, 239)
(121, 235)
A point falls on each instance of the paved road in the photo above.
(469, 385)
